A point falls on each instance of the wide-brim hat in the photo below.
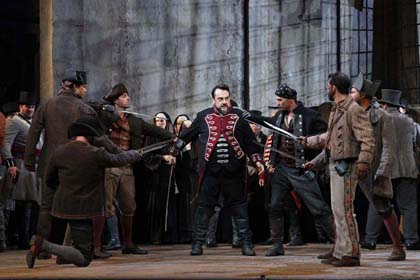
(85, 126)
(116, 92)
(391, 96)
(79, 78)
(366, 86)
(27, 98)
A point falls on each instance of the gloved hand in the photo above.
(176, 146)
(362, 170)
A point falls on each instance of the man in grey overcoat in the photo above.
(377, 186)
(21, 182)
(403, 174)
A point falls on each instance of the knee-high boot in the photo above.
(240, 218)
(391, 224)
(200, 228)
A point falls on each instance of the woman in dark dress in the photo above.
(186, 177)
(160, 189)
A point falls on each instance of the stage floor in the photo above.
(174, 262)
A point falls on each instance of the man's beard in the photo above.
(331, 96)
(223, 110)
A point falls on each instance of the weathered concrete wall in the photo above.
(171, 53)
(168, 53)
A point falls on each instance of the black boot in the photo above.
(212, 228)
(276, 250)
(277, 235)
(295, 230)
(200, 228)
(196, 249)
(240, 218)
(324, 226)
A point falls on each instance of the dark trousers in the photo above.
(232, 188)
(284, 179)
(405, 196)
(82, 252)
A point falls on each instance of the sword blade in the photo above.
(281, 131)
(154, 147)
(137, 114)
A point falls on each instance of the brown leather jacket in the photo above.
(351, 133)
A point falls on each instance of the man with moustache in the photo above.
(377, 186)
(225, 140)
(127, 133)
(349, 146)
(22, 183)
(288, 173)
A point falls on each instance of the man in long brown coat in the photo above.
(349, 145)
(377, 186)
(53, 119)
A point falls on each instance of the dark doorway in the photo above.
(19, 48)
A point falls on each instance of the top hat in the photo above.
(390, 96)
(27, 98)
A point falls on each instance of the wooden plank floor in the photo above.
(223, 262)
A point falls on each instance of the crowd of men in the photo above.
(79, 178)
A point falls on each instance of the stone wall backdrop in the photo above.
(171, 53)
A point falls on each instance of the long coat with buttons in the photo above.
(306, 122)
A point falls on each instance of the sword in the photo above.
(274, 129)
(137, 114)
(281, 131)
(154, 147)
(167, 198)
(283, 154)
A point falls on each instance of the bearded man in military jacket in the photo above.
(225, 141)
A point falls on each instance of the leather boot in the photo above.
(196, 249)
(200, 229)
(326, 255)
(346, 261)
(277, 233)
(391, 224)
(295, 230)
(276, 250)
(248, 249)
(100, 253)
(212, 228)
(35, 248)
(127, 231)
(240, 218)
